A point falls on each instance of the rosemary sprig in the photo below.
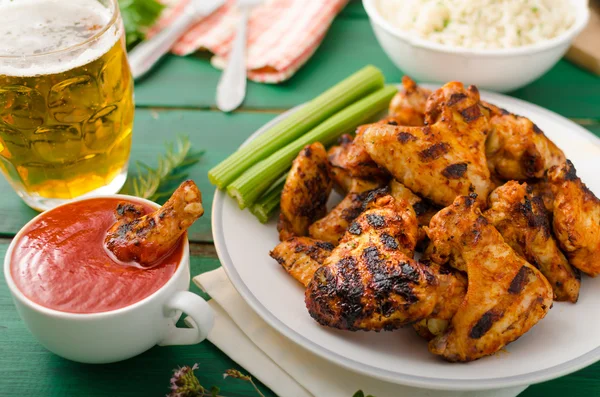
(157, 184)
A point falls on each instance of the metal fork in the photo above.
(231, 89)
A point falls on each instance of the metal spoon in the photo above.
(232, 85)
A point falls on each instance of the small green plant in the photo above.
(138, 16)
(157, 184)
(360, 393)
(184, 383)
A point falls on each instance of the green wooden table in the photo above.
(179, 98)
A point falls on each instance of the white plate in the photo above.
(566, 340)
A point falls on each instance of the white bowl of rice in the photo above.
(498, 45)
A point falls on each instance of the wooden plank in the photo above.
(349, 45)
(585, 382)
(595, 128)
(354, 9)
(30, 370)
(217, 133)
(567, 90)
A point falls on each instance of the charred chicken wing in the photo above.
(523, 222)
(145, 239)
(423, 208)
(444, 159)
(517, 149)
(370, 281)
(305, 192)
(408, 106)
(506, 296)
(332, 226)
(357, 190)
(352, 157)
(301, 257)
(576, 220)
(542, 190)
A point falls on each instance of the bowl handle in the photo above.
(200, 319)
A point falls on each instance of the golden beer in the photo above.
(66, 100)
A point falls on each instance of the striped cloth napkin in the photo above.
(282, 34)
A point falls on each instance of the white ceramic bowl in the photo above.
(117, 334)
(499, 70)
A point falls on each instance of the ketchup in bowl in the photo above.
(60, 261)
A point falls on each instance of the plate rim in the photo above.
(378, 373)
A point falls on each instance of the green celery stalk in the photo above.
(346, 92)
(255, 181)
(269, 202)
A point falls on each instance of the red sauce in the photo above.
(60, 261)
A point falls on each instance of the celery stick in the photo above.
(269, 202)
(255, 181)
(348, 91)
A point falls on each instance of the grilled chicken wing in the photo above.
(576, 220)
(332, 226)
(423, 208)
(370, 281)
(408, 105)
(542, 189)
(517, 149)
(453, 283)
(305, 193)
(506, 296)
(524, 224)
(357, 190)
(444, 159)
(342, 181)
(145, 239)
(352, 157)
(301, 257)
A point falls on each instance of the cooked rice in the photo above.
(480, 23)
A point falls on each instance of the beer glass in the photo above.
(66, 99)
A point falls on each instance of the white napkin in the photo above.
(286, 368)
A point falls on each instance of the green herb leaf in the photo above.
(184, 383)
(157, 184)
(360, 393)
(214, 391)
(234, 373)
(138, 16)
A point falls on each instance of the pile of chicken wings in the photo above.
(503, 221)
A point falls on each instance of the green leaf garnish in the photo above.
(138, 16)
(157, 184)
(360, 393)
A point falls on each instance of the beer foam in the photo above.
(30, 30)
